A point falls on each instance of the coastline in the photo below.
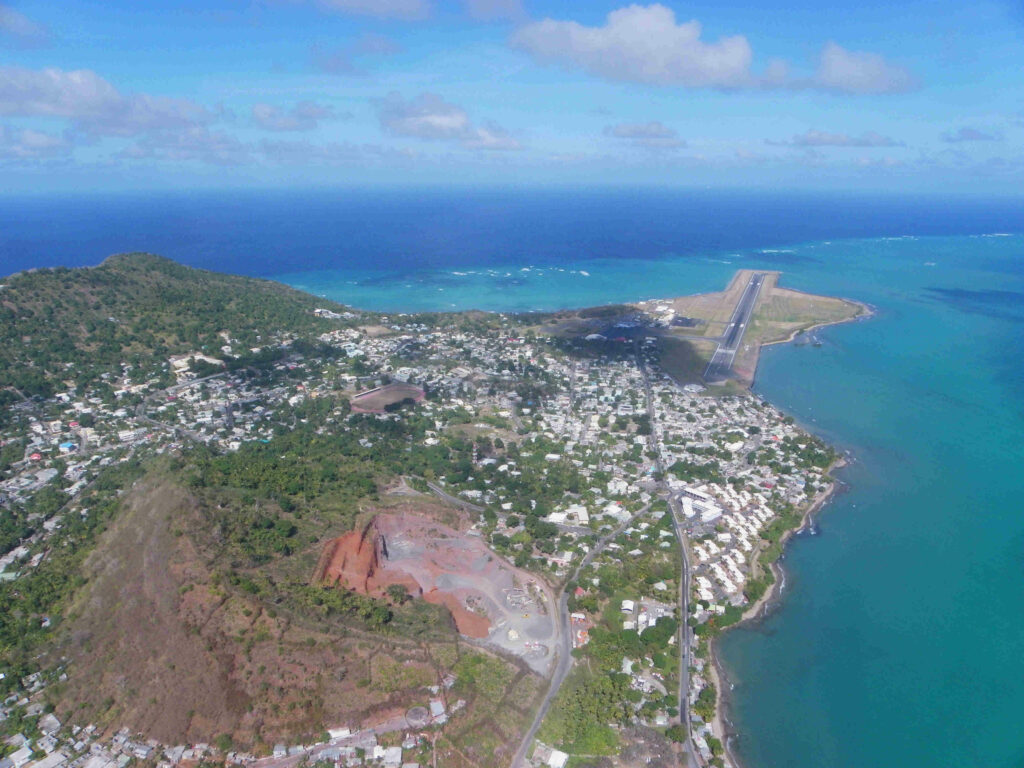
(866, 312)
(757, 611)
(773, 594)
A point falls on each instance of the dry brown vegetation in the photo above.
(157, 642)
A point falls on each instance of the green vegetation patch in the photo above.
(583, 713)
(484, 674)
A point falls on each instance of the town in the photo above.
(654, 508)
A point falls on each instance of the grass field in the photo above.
(781, 313)
(714, 309)
(684, 360)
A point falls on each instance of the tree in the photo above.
(677, 733)
(398, 593)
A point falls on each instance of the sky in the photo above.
(916, 97)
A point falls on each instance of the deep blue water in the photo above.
(900, 638)
(398, 233)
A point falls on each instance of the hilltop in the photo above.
(174, 636)
(77, 324)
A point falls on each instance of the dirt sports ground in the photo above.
(376, 400)
(488, 598)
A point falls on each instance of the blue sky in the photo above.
(122, 95)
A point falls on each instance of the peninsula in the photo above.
(244, 525)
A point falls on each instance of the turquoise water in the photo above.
(900, 639)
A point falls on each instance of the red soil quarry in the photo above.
(433, 561)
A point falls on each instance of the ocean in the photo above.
(899, 640)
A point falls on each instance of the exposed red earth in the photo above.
(446, 567)
(359, 560)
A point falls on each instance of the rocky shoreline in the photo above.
(757, 611)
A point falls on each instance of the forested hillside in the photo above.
(63, 323)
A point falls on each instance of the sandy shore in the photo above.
(759, 610)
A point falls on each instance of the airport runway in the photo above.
(721, 362)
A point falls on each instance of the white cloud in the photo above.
(342, 61)
(140, 113)
(26, 144)
(488, 10)
(653, 135)
(428, 116)
(304, 116)
(167, 128)
(385, 9)
(55, 93)
(813, 138)
(641, 44)
(491, 136)
(95, 106)
(19, 27)
(860, 72)
(646, 44)
(196, 143)
(966, 133)
(880, 162)
(300, 153)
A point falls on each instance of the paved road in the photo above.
(684, 582)
(684, 632)
(721, 362)
(564, 644)
(564, 662)
(453, 500)
(364, 738)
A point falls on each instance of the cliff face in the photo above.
(360, 561)
(355, 561)
(352, 560)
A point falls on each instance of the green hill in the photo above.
(175, 594)
(58, 324)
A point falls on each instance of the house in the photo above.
(557, 759)
(52, 760)
(22, 756)
(49, 724)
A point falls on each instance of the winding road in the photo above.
(564, 662)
